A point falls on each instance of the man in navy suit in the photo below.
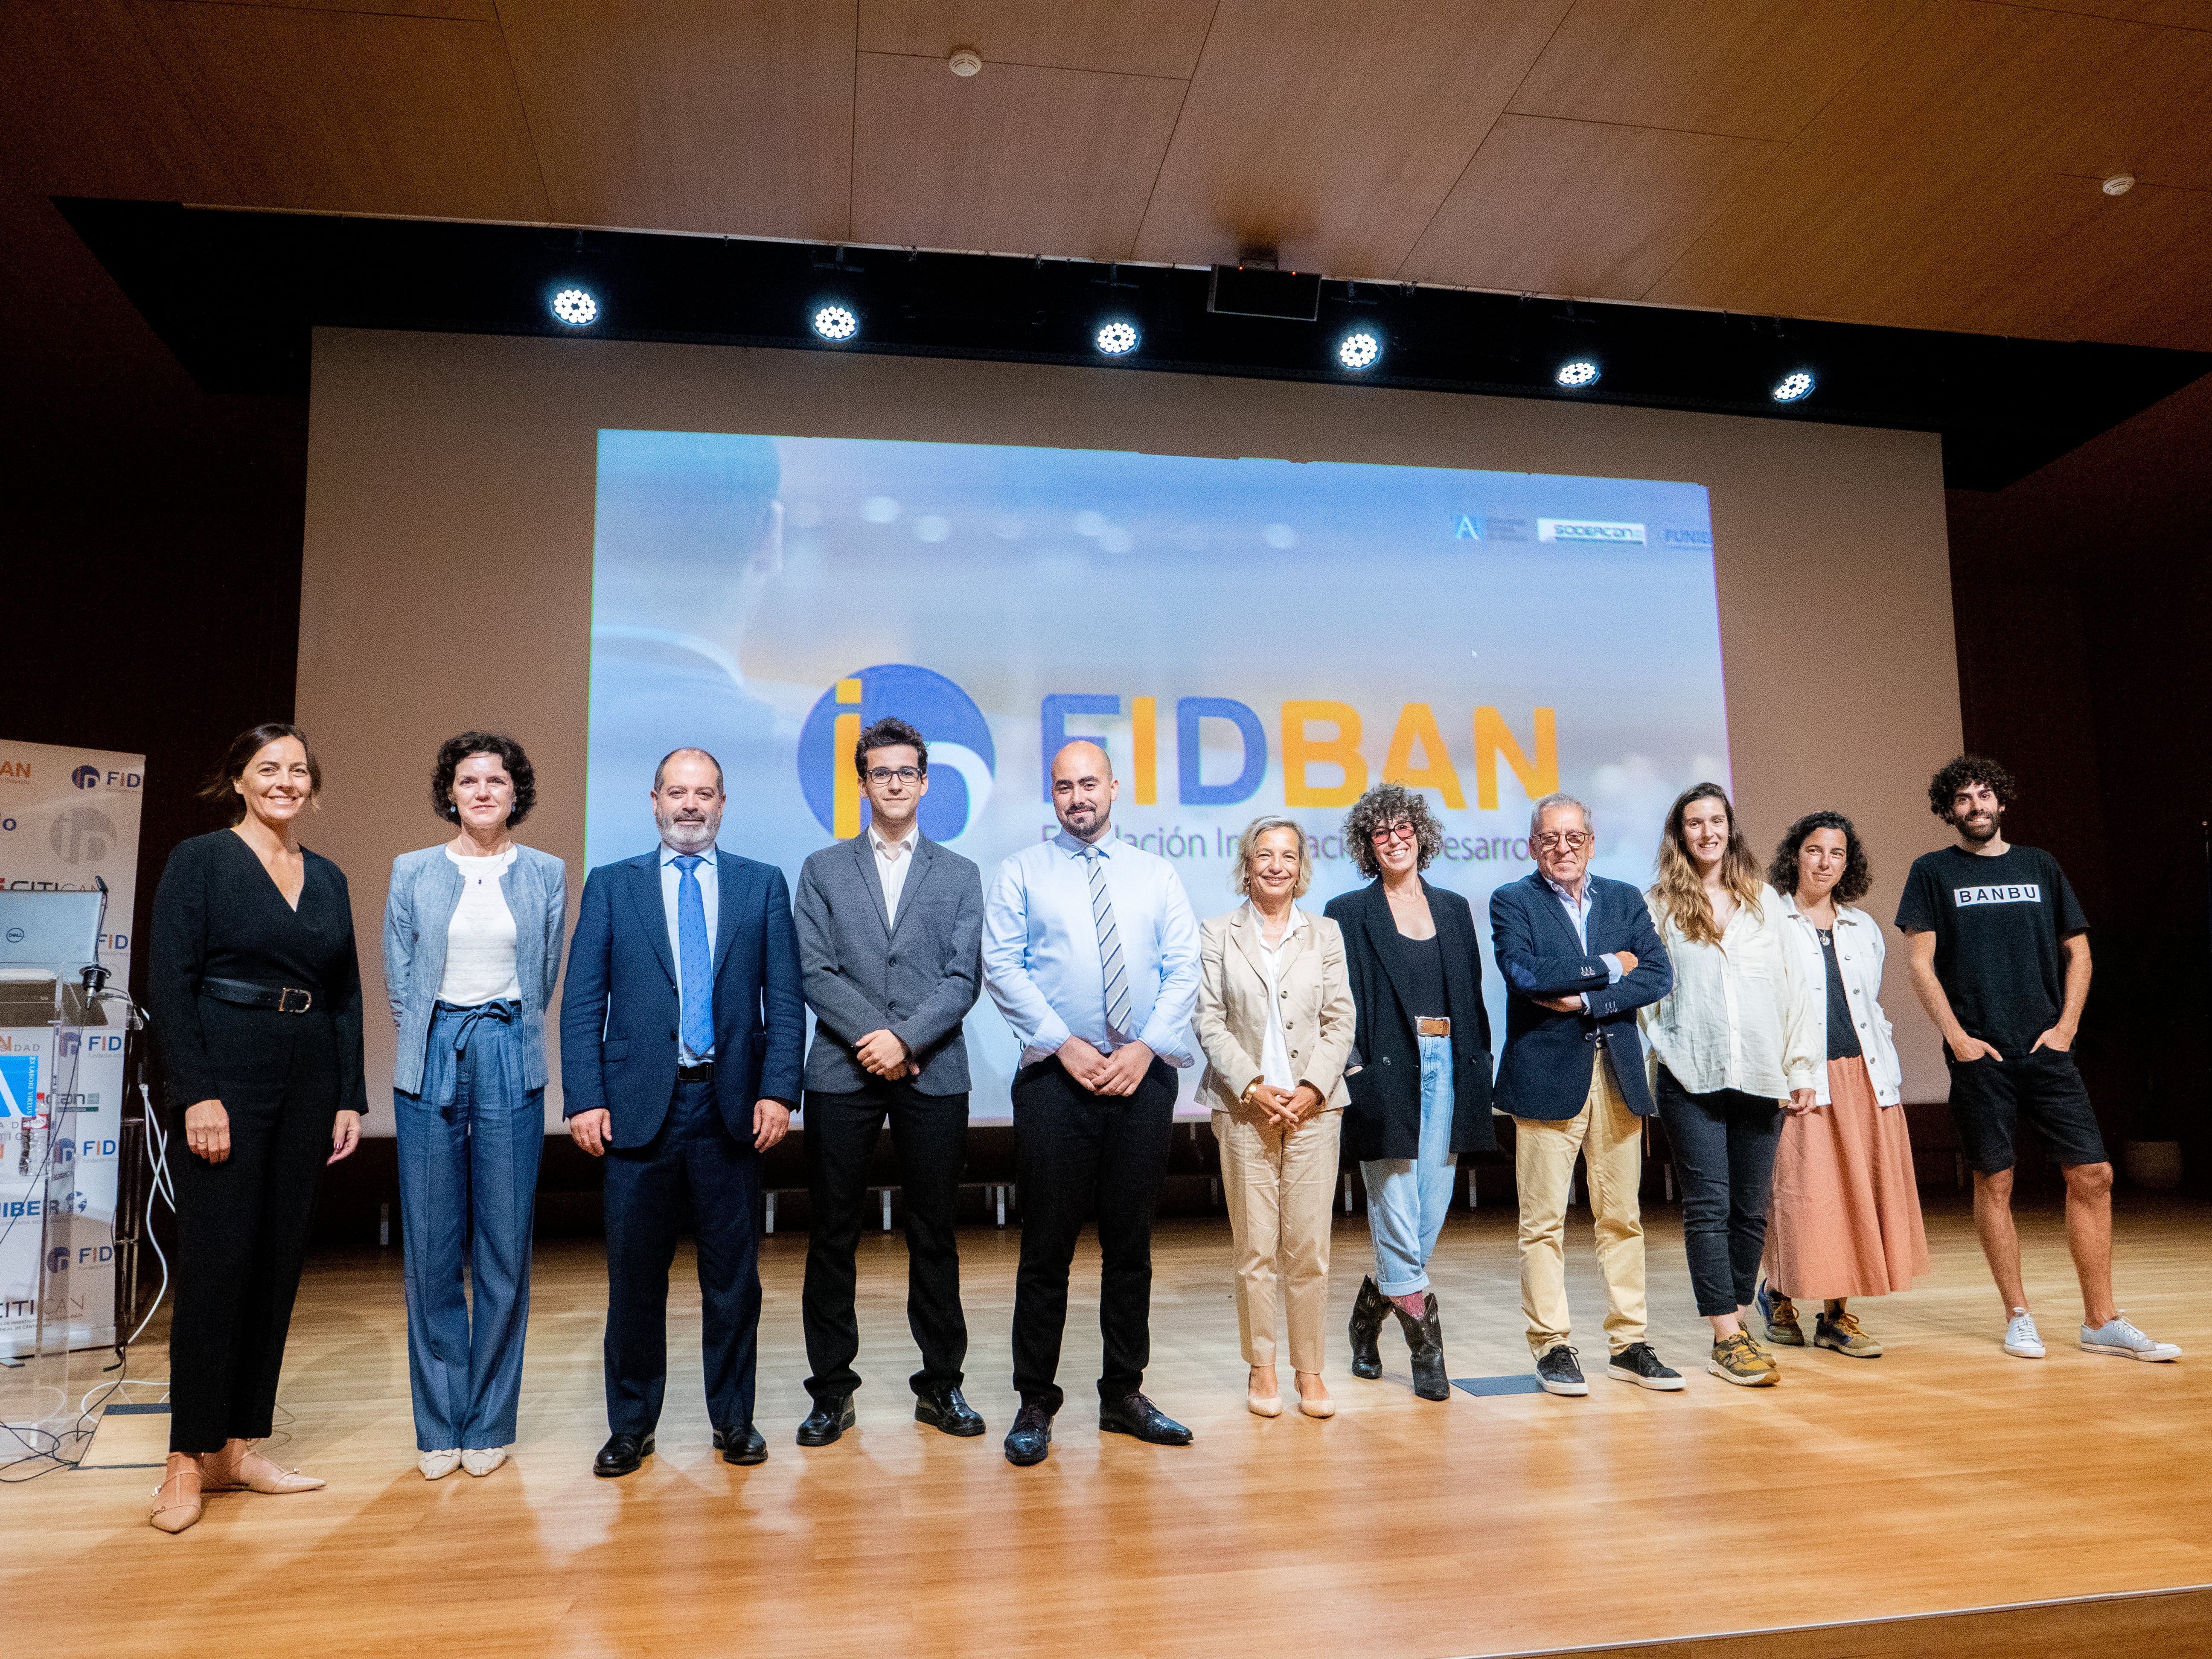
(681, 1031)
(1579, 957)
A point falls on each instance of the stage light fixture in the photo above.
(836, 323)
(1578, 373)
(1359, 349)
(1116, 339)
(1794, 386)
(575, 307)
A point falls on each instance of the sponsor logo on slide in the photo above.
(2027, 892)
(1685, 537)
(1590, 531)
(1477, 527)
(962, 761)
(19, 1086)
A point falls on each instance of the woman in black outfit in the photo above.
(256, 995)
(1420, 1080)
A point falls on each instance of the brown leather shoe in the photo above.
(249, 1471)
(177, 1502)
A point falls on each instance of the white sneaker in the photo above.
(2020, 1341)
(437, 1465)
(482, 1460)
(2117, 1336)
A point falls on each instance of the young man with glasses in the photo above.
(1579, 956)
(890, 927)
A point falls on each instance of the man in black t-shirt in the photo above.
(2000, 954)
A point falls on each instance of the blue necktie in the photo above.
(698, 962)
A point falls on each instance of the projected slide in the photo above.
(1245, 637)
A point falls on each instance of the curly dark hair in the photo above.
(221, 788)
(1945, 785)
(1387, 803)
(890, 733)
(1858, 874)
(454, 750)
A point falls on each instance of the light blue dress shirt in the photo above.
(1041, 950)
(1578, 912)
(709, 894)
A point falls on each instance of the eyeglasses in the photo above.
(1552, 841)
(880, 775)
(1401, 830)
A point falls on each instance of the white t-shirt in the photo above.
(480, 938)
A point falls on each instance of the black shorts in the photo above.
(1988, 1097)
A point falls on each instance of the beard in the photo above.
(695, 837)
(1982, 831)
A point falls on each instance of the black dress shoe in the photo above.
(1030, 1437)
(742, 1446)
(1366, 1327)
(1425, 1340)
(945, 1408)
(621, 1454)
(831, 1416)
(1139, 1416)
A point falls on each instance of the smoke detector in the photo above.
(965, 61)
(2118, 185)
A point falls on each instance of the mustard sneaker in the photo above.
(1841, 1333)
(1735, 1360)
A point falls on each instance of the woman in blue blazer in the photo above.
(471, 952)
(1420, 1073)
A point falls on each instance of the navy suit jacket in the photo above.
(1545, 1073)
(619, 1009)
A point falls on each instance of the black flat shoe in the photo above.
(742, 1447)
(1138, 1416)
(1425, 1340)
(1030, 1437)
(829, 1419)
(945, 1409)
(1366, 1328)
(621, 1454)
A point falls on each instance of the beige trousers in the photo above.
(1279, 1186)
(1611, 1141)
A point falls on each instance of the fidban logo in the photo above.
(2027, 892)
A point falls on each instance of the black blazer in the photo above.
(1384, 1118)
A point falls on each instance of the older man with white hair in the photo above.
(1579, 957)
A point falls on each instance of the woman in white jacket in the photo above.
(1730, 1041)
(1846, 1207)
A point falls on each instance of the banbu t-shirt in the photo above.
(1998, 923)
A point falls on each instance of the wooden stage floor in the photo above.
(1942, 1476)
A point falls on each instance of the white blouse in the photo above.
(1275, 1052)
(1741, 1014)
(480, 938)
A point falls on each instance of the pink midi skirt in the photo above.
(1844, 1218)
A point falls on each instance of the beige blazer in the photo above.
(1318, 1015)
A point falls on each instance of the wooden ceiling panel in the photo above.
(1016, 160)
(1115, 37)
(474, 11)
(1582, 208)
(2163, 236)
(352, 111)
(2173, 14)
(1752, 69)
(1334, 132)
(690, 114)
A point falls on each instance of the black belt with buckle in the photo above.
(698, 1073)
(284, 999)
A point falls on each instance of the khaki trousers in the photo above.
(1279, 1186)
(1611, 1142)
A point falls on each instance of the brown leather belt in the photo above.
(1433, 1027)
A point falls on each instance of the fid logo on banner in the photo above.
(86, 777)
(962, 760)
(19, 1086)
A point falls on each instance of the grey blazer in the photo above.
(426, 887)
(917, 977)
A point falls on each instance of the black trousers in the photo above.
(242, 1223)
(1077, 1154)
(693, 1167)
(1724, 1145)
(930, 1135)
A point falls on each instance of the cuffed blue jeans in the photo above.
(469, 1145)
(1409, 1197)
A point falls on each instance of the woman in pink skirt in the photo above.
(1844, 1218)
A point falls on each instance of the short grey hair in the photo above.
(1241, 880)
(1556, 799)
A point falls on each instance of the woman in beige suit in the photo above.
(1275, 1018)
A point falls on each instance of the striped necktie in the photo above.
(1113, 970)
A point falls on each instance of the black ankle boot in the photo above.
(1366, 1327)
(1425, 1338)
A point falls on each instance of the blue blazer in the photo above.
(619, 1009)
(1545, 1073)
